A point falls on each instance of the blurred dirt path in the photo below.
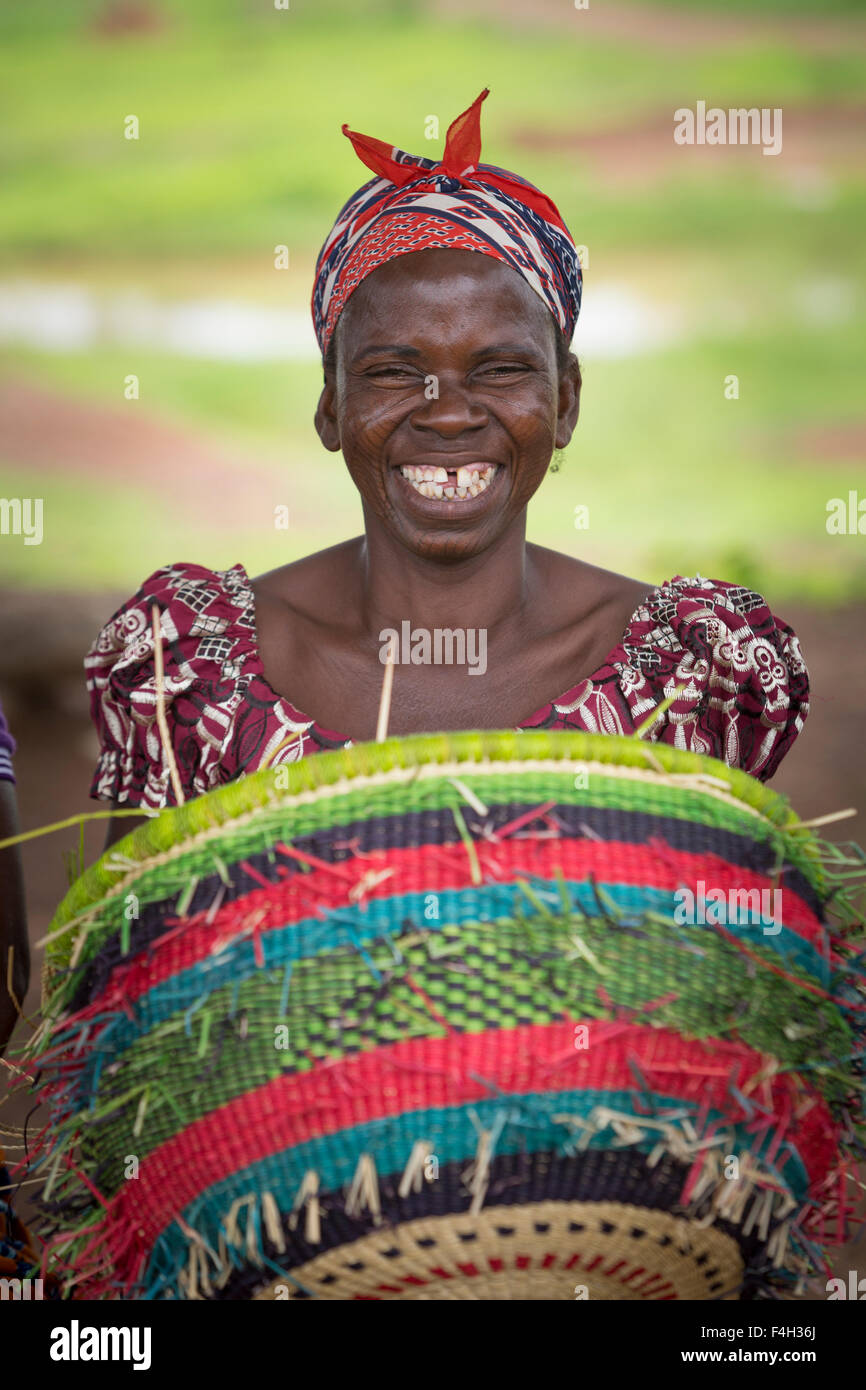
(666, 26)
(817, 141)
(183, 469)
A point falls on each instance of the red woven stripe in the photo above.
(432, 869)
(427, 1073)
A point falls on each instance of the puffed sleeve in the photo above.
(204, 634)
(745, 686)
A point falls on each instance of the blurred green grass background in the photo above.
(757, 264)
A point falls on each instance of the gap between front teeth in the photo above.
(434, 482)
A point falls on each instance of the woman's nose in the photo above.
(448, 409)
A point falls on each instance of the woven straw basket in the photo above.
(435, 1019)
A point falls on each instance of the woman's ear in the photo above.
(569, 401)
(326, 415)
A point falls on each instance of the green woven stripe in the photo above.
(237, 842)
(494, 975)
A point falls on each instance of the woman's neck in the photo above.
(492, 590)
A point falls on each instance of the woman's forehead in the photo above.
(438, 288)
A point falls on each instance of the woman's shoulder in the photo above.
(579, 594)
(302, 608)
(307, 584)
(700, 614)
(192, 601)
(735, 670)
(211, 684)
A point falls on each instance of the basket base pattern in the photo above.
(546, 1250)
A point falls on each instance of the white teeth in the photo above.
(436, 483)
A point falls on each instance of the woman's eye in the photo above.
(503, 369)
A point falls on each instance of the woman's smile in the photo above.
(460, 483)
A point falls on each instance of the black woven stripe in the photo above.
(597, 1175)
(436, 827)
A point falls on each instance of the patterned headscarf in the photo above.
(416, 204)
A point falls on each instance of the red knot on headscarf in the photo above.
(416, 204)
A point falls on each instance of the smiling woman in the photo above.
(444, 303)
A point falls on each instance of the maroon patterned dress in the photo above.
(744, 697)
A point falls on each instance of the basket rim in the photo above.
(174, 825)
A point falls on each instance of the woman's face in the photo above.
(446, 401)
